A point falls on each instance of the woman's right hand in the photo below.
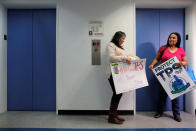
(151, 67)
(128, 60)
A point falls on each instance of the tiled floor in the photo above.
(144, 120)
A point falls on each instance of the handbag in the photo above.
(191, 74)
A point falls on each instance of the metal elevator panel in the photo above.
(96, 52)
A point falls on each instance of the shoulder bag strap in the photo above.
(163, 52)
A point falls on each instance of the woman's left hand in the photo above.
(128, 60)
(180, 64)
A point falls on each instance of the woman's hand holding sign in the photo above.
(128, 60)
(151, 67)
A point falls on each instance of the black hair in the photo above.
(117, 37)
(178, 37)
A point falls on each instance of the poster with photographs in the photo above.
(175, 80)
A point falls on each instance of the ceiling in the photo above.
(29, 4)
(139, 3)
(163, 3)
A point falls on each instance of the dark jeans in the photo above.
(162, 102)
(115, 97)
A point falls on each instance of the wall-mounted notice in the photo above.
(95, 28)
(175, 80)
(129, 77)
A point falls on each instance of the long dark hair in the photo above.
(178, 37)
(117, 37)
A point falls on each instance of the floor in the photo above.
(142, 120)
(53, 129)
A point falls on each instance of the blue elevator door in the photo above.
(19, 61)
(153, 27)
(44, 60)
(31, 59)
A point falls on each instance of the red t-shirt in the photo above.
(167, 54)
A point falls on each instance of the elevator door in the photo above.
(31, 59)
(153, 27)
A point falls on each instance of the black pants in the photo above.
(162, 102)
(115, 97)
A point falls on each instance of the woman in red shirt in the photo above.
(165, 53)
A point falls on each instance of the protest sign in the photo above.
(175, 80)
(129, 76)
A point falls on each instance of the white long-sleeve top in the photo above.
(116, 54)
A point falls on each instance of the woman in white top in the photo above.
(117, 54)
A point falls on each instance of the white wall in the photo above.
(190, 98)
(80, 85)
(3, 59)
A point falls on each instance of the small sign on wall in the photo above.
(95, 28)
